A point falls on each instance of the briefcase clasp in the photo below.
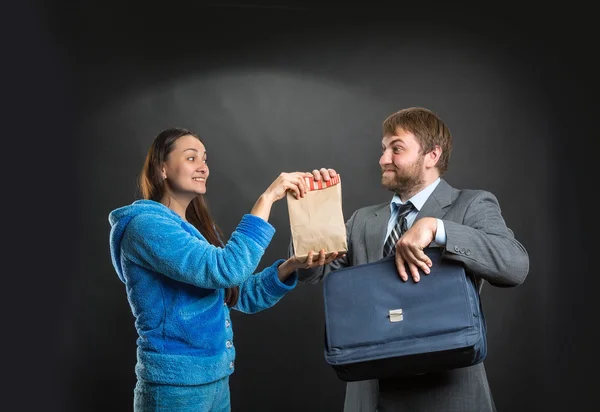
(396, 315)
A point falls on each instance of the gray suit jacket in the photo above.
(478, 237)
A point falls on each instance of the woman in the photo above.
(181, 280)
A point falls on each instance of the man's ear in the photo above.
(433, 157)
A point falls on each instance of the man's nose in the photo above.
(385, 158)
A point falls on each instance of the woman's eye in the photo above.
(191, 158)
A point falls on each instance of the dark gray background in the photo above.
(285, 86)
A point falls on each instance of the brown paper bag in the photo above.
(316, 220)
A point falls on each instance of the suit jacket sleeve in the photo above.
(485, 245)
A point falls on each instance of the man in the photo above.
(466, 224)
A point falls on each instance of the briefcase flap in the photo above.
(370, 313)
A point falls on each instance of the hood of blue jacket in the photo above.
(120, 218)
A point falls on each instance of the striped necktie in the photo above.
(399, 228)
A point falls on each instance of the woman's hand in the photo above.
(293, 182)
(312, 260)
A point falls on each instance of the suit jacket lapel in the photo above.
(375, 232)
(437, 203)
(376, 226)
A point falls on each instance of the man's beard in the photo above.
(406, 180)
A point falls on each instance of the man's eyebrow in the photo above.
(398, 140)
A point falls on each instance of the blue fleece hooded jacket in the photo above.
(175, 281)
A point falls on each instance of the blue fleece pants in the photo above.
(211, 397)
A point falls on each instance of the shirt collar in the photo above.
(418, 200)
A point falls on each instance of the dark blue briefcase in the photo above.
(377, 326)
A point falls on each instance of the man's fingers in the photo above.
(413, 254)
(400, 267)
(324, 173)
(416, 256)
(414, 271)
(410, 260)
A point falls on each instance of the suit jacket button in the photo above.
(462, 250)
(467, 252)
(456, 248)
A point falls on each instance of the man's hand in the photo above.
(409, 248)
(324, 174)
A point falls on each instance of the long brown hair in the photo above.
(152, 187)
